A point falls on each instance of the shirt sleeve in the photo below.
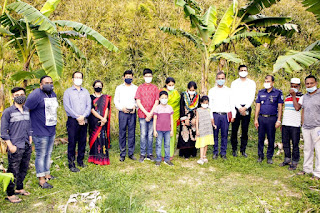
(301, 101)
(232, 105)
(258, 98)
(5, 120)
(182, 111)
(155, 112)
(117, 99)
(252, 94)
(156, 93)
(67, 105)
(280, 97)
(88, 107)
(138, 93)
(32, 101)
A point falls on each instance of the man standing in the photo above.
(43, 104)
(126, 104)
(16, 132)
(77, 104)
(268, 116)
(221, 103)
(291, 123)
(243, 91)
(311, 127)
(147, 97)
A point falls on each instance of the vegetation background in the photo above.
(133, 26)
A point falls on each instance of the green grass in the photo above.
(234, 185)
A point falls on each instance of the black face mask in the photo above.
(47, 88)
(20, 99)
(98, 89)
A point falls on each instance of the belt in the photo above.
(221, 113)
(267, 116)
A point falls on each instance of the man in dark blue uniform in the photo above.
(268, 116)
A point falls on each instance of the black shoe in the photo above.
(142, 157)
(215, 156)
(292, 167)
(244, 154)
(234, 153)
(132, 157)
(122, 159)
(269, 161)
(74, 169)
(46, 186)
(284, 164)
(260, 160)
(169, 163)
(223, 157)
(82, 165)
(150, 157)
(158, 163)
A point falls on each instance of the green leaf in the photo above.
(22, 75)
(231, 57)
(49, 52)
(210, 19)
(5, 178)
(33, 16)
(180, 3)
(256, 6)
(70, 34)
(313, 7)
(188, 10)
(243, 35)
(264, 21)
(66, 42)
(286, 30)
(295, 61)
(89, 33)
(223, 30)
(5, 32)
(49, 7)
(314, 46)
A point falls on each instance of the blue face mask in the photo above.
(128, 80)
(312, 89)
(221, 82)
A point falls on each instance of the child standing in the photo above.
(204, 129)
(163, 128)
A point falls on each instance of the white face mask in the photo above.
(148, 79)
(267, 85)
(295, 90)
(243, 74)
(170, 88)
(205, 105)
(164, 101)
(191, 92)
(77, 81)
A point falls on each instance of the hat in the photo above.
(295, 81)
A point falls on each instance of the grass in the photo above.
(232, 185)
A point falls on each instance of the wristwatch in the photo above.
(279, 122)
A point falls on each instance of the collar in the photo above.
(74, 88)
(273, 90)
(124, 84)
(16, 108)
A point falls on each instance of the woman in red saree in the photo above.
(99, 126)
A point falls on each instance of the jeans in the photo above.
(244, 120)
(221, 121)
(146, 136)
(43, 147)
(18, 165)
(291, 133)
(127, 120)
(266, 126)
(166, 136)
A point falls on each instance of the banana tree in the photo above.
(298, 60)
(212, 38)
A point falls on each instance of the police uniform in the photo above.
(267, 119)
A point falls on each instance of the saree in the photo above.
(99, 136)
(174, 102)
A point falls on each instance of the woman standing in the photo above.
(174, 102)
(187, 137)
(99, 126)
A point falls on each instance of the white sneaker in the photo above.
(200, 161)
(205, 160)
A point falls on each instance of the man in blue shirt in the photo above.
(16, 132)
(268, 116)
(43, 104)
(77, 104)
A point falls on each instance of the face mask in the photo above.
(98, 89)
(205, 105)
(77, 81)
(312, 89)
(47, 88)
(20, 99)
(295, 90)
(243, 74)
(267, 85)
(192, 92)
(148, 79)
(164, 101)
(221, 82)
(128, 80)
(170, 88)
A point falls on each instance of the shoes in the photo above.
(142, 157)
(200, 161)
(74, 169)
(315, 178)
(150, 157)
(301, 173)
(132, 157)
(234, 153)
(47, 185)
(224, 157)
(260, 160)
(122, 159)
(215, 156)
(292, 167)
(244, 154)
(205, 160)
(168, 163)
(284, 164)
(82, 165)
(158, 163)
(269, 161)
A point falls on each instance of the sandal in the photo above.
(301, 173)
(46, 186)
(14, 199)
(22, 192)
(51, 178)
(315, 178)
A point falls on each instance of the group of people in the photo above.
(202, 121)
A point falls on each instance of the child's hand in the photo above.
(198, 133)
(214, 126)
(171, 133)
(155, 133)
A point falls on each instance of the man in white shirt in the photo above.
(126, 104)
(221, 103)
(243, 91)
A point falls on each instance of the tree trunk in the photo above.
(2, 91)
(205, 72)
(26, 68)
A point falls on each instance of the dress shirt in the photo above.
(243, 92)
(269, 101)
(77, 102)
(124, 96)
(220, 100)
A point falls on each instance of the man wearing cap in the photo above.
(291, 123)
(268, 116)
